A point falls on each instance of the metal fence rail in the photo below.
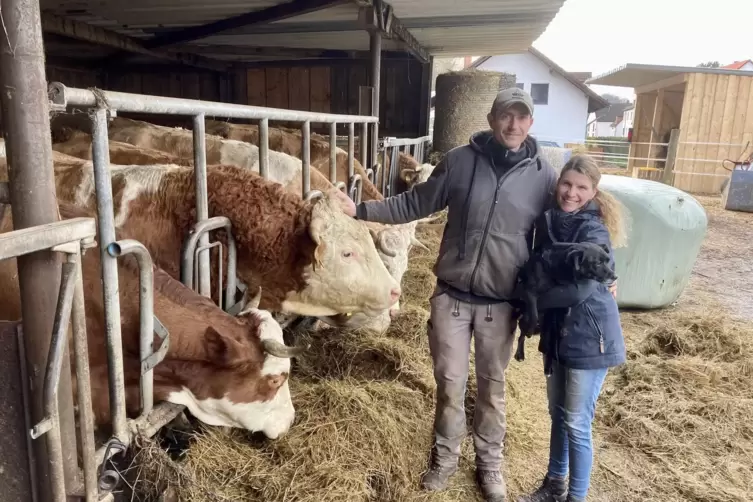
(68, 237)
(391, 148)
(196, 243)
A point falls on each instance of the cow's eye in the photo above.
(347, 254)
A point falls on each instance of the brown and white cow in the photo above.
(308, 256)
(393, 241)
(228, 371)
(289, 142)
(79, 144)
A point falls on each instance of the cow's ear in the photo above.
(222, 350)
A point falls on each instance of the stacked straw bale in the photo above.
(462, 102)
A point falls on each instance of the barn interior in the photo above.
(311, 55)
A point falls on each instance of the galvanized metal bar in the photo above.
(136, 103)
(50, 423)
(405, 141)
(146, 312)
(202, 204)
(385, 171)
(333, 153)
(306, 158)
(83, 381)
(103, 190)
(30, 240)
(374, 159)
(364, 144)
(264, 148)
(375, 47)
(26, 125)
(211, 245)
(351, 156)
(187, 265)
(148, 425)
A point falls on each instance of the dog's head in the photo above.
(591, 261)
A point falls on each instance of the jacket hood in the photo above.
(479, 140)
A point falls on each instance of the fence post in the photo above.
(669, 165)
(26, 122)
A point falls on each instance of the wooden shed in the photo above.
(711, 107)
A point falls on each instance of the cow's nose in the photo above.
(395, 294)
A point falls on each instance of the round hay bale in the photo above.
(462, 102)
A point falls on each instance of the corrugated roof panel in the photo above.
(443, 27)
(637, 75)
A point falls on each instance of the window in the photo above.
(540, 94)
(520, 86)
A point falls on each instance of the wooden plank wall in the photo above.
(716, 109)
(334, 89)
(330, 88)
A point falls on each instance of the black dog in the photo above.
(564, 263)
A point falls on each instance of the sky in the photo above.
(601, 35)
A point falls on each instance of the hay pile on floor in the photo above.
(364, 405)
(673, 424)
(682, 406)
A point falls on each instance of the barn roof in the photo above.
(639, 75)
(258, 30)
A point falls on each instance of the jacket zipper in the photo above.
(489, 219)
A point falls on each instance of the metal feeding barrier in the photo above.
(71, 236)
(391, 148)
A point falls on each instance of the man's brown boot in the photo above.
(436, 478)
(492, 485)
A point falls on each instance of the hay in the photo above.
(673, 424)
(683, 405)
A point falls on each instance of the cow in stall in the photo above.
(288, 141)
(393, 241)
(228, 371)
(308, 256)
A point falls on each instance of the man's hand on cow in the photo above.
(613, 289)
(347, 204)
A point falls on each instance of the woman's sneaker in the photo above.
(551, 490)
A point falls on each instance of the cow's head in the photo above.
(346, 274)
(245, 381)
(414, 175)
(393, 243)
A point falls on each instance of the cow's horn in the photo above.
(382, 242)
(249, 304)
(418, 243)
(277, 349)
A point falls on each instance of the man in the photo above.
(495, 188)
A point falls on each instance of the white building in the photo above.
(561, 100)
(611, 121)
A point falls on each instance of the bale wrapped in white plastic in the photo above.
(666, 228)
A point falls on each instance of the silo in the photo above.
(463, 99)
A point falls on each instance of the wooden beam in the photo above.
(283, 52)
(380, 16)
(667, 82)
(100, 36)
(263, 16)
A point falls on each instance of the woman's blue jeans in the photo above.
(572, 397)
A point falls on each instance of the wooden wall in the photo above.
(332, 87)
(716, 109)
(335, 89)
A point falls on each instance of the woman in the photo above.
(582, 325)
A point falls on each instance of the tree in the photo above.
(709, 64)
(611, 98)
